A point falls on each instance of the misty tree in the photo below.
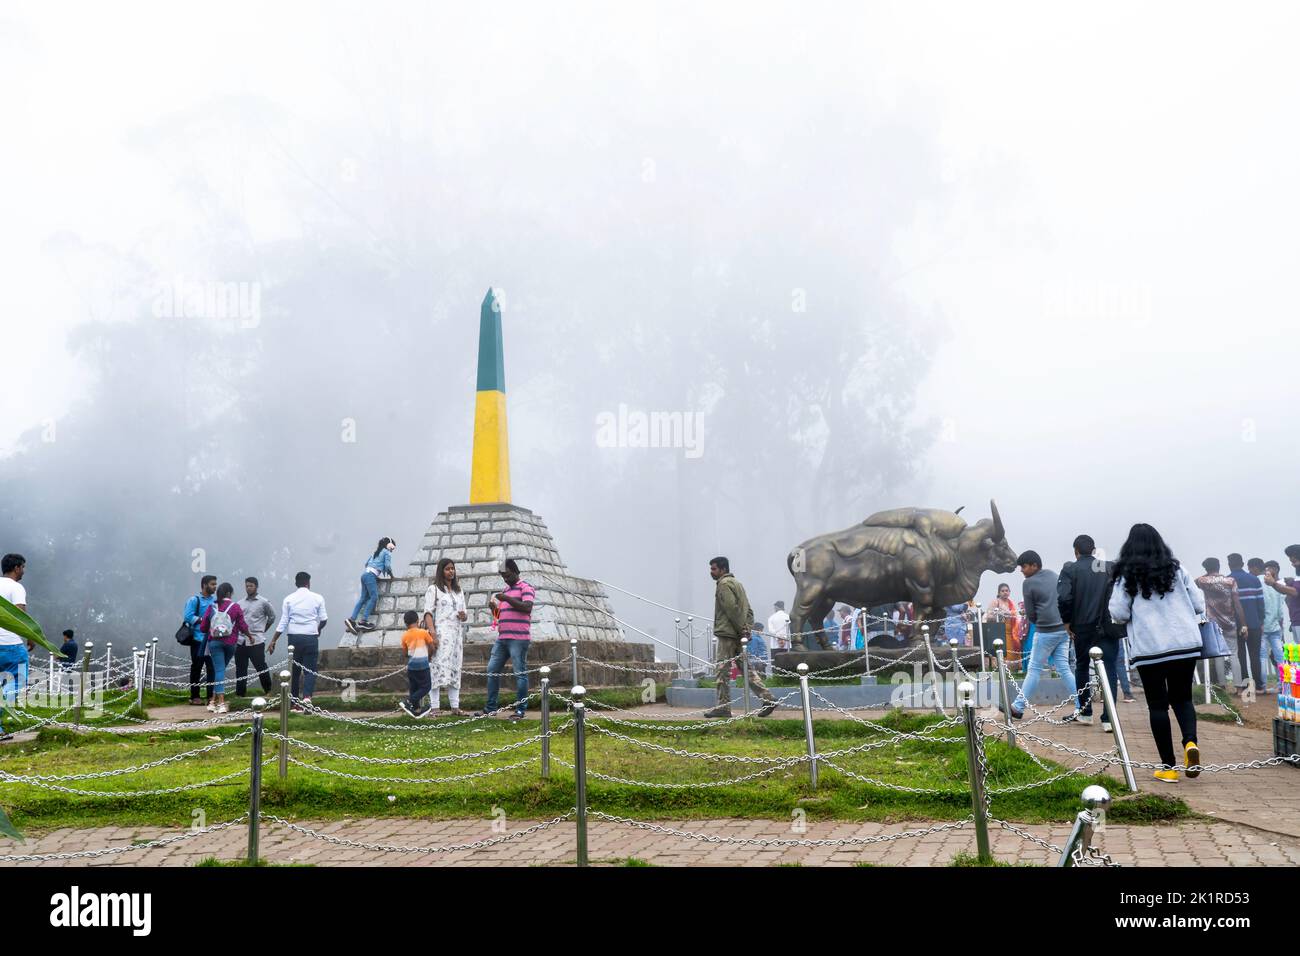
(341, 411)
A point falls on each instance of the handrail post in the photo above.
(573, 659)
(1003, 692)
(1095, 798)
(808, 725)
(580, 769)
(81, 684)
(546, 722)
(153, 661)
(744, 668)
(1113, 713)
(138, 657)
(255, 781)
(864, 622)
(935, 677)
(676, 643)
(979, 806)
(285, 677)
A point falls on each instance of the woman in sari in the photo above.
(1003, 610)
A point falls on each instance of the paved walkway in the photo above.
(1194, 844)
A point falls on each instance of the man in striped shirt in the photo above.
(1251, 591)
(514, 608)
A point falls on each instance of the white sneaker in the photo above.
(212, 708)
(1083, 719)
(1106, 727)
(223, 709)
(306, 702)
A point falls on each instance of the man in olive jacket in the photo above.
(732, 620)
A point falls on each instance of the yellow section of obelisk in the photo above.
(490, 468)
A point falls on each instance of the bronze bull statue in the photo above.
(929, 557)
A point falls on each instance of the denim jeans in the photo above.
(306, 654)
(13, 673)
(365, 605)
(419, 681)
(1084, 640)
(200, 663)
(1121, 669)
(221, 655)
(1272, 643)
(517, 651)
(1027, 648)
(1049, 647)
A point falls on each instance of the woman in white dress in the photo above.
(444, 617)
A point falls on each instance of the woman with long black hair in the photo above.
(1162, 607)
(444, 618)
(379, 564)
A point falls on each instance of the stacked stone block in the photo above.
(478, 538)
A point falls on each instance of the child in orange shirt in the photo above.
(419, 645)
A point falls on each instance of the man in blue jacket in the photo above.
(200, 664)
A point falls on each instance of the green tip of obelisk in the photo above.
(491, 354)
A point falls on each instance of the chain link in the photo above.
(317, 768)
(181, 788)
(410, 761)
(901, 788)
(685, 786)
(1091, 857)
(109, 851)
(759, 841)
(387, 848)
(316, 711)
(137, 768)
(722, 758)
(1025, 834)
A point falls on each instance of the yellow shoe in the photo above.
(1168, 776)
(1193, 756)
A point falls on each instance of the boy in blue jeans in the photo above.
(419, 645)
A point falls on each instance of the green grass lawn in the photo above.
(520, 791)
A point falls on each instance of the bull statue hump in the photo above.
(926, 521)
(926, 556)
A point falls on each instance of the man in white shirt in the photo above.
(13, 649)
(303, 618)
(778, 628)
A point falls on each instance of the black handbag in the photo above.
(185, 633)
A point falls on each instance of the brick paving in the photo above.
(1189, 844)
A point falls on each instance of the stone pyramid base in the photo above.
(478, 538)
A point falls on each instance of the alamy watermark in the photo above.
(633, 428)
(59, 691)
(183, 298)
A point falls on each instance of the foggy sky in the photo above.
(997, 252)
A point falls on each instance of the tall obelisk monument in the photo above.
(489, 481)
(479, 535)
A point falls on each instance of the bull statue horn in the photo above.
(999, 533)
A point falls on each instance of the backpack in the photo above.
(221, 626)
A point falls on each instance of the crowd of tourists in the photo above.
(1147, 605)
